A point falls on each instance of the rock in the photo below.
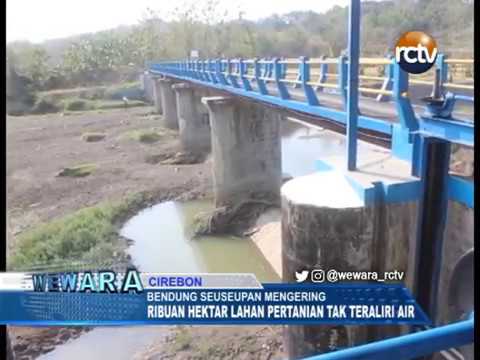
(47, 349)
(65, 336)
(93, 137)
(20, 347)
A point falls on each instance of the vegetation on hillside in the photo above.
(119, 54)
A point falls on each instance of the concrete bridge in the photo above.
(361, 211)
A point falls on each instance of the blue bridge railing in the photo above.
(297, 84)
(409, 346)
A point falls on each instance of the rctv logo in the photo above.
(416, 52)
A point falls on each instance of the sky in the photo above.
(39, 20)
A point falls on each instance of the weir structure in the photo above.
(361, 210)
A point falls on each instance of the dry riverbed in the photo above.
(59, 164)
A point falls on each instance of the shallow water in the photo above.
(107, 343)
(163, 243)
(302, 145)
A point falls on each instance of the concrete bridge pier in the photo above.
(157, 95)
(169, 103)
(147, 85)
(324, 226)
(246, 150)
(193, 120)
(348, 221)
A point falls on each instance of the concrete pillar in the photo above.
(327, 225)
(148, 86)
(157, 96)
(193, 121)
(246, 150)
(169, 104)
(324, 226)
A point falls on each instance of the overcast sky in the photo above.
(38, 20)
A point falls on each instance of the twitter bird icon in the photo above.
(301, 276)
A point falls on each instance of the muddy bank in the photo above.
(29, 343)
(217, 343)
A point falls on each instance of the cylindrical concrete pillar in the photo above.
(148, 86)
(169, 104)
(193, 122)
(157, 96)
(325, 226)
(246, 150)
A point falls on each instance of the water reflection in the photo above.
(302, 146)
(163, 243)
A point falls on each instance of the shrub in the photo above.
(44, 106)
(77, 104)
(115, 104)
(131, 90)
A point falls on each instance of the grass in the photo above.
(131, 89)
(87, 231)
(147, 136)
(89, 235)
(93, 137)
(89, 98)
(78, 170)
(77, 104)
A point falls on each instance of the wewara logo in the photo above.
(416, 52)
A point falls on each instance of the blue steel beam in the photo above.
(455, 131)
(352, 91)
(408, 346)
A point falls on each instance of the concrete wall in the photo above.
(395, 247)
